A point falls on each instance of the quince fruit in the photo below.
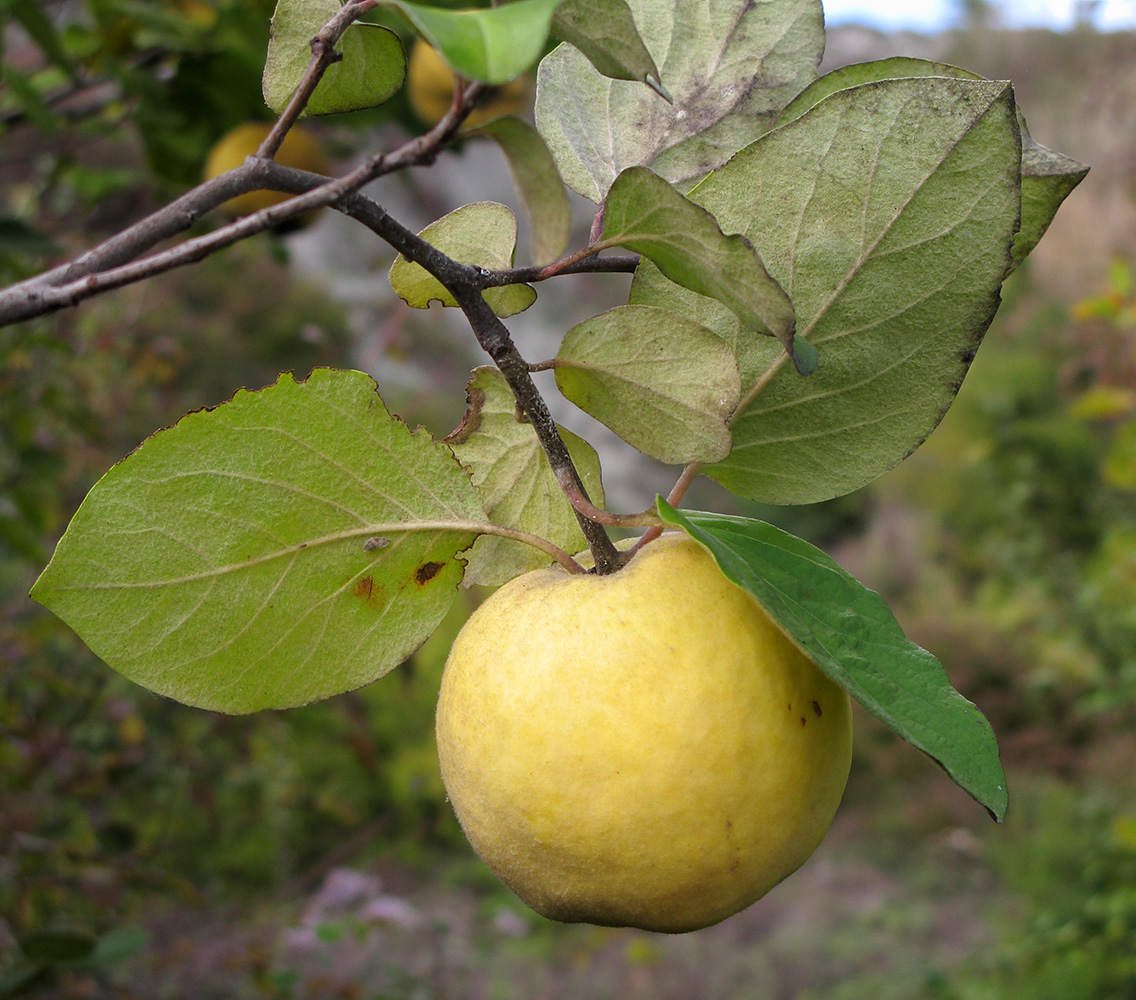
(646, 748)
(430, 85)
(300, 149)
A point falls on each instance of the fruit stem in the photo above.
(674, 498)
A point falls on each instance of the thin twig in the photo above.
(586, 264)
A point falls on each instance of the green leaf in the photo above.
(644, 213)
(493, 45)
(515, 481)
(372, 70)
(57, 946)
(730, 66)
(887, 212)
(483, 234)
(284, 547)
(604, 30)
(851, 634)
(664, 384)
(538, 184)
(1047, 177)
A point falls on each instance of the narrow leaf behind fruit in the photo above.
(372, 70)
(604, 30)
(887, 213)
(854, 638)
(664, 384)
(286, 546)
(729, 65)
(483, 234)
(515, 482)
(1047, 177)
(646, 214)
(537, 182)
(494, 45)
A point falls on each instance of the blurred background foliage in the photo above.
(152, 850)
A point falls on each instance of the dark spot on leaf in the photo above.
(426, 572)
(816, 709)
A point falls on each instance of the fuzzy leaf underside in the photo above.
(1047, 176)
(729, 66)
(605, 32)
(482, 234)
(515, 482)
(851, 634)
(263, 554)
(887, 213)
(646, 214)
(372, 70)
(664, 384)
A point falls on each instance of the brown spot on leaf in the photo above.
(426, 572)
(368, 590)
(816, 709)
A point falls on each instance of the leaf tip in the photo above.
(805, 356)
(657, 86)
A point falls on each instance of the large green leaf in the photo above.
(1047, 177)
(493, 44)
(887, 213)
(483, 234)
(537, 182)
(515, 481)
(854, 638)
(664, 384)
(286, 546)
(730, 66)
(646, 214)
(604, 30)
(371, 71)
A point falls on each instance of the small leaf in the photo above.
(1047, 177)
(483, 234)
(604, 30)
(494, 45)
(663, 383)
(515, 482)
(644, 213)
(854, 638)
(538, 184)
(223, 562)
(729, 65)
(372, 70)
(886, 212)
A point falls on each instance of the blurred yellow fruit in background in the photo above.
(431, 90)
(300, 149)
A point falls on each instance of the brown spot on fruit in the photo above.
(816, 709)
(426, 572)
(802, 720)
